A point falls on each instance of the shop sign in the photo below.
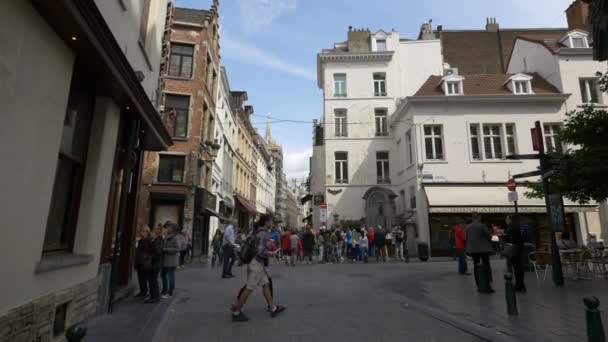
(556, 207)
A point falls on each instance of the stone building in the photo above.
(83, 118)
(245, 167)
(265, 177)
(176, 184)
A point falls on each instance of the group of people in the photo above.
(160, 252)
(336, 244)
(475, 239)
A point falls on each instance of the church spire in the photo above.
(268, 131)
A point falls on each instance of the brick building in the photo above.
(175, 184)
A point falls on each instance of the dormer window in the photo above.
(576, 39)
(452, 85)
(521, 87)
(381, 44)
(520, 84)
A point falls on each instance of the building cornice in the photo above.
(377, 56)
(349, 57)
(576, 52)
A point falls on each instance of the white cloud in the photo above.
(245, 52)
(259, 14)
(296, 163)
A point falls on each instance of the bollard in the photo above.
(75, 333)
(510, 295)
(595, 329)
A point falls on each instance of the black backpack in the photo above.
(248, 249)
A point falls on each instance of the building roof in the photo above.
(485, 52)
(190, 15)
(485, 84)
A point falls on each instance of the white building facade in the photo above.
(266, 182)
(567, 64)
(452, 140)
(223, 166)
(361, 80)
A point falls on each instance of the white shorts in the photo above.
(256, 275)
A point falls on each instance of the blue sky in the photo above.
(269, 47)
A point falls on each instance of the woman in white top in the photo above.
(364, 245)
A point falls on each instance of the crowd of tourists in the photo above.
(159, 253)
(323, 245)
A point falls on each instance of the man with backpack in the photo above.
(255, 252)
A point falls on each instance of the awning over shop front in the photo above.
(306, 198)
(487, 199)
(246, 204)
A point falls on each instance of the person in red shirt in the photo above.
(460, 239)
(371, 235)
(286, 245)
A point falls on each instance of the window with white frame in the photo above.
(578, 42)
(433, 142)
(410, 147)
(380, 44)
(521, 87)
(492, 141)
(379, 84)
(340, 123)
(589, 90)
(340, 85)
(453, 88)
(381, 122)
(551, 134)
(341, 167)
(382, 167)
(475, 142)
(510, 137)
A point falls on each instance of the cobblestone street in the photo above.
(357, 302)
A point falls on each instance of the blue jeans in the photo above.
(168, 276)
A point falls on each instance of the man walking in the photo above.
(257, 272)
(460, 239)
(308, 243)
(228, 250)
(479, 246)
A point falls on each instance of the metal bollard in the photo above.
(510, 295)
(595, 329)
(75, 333)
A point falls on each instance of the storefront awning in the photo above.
(306, 198)
(478, 198)
(245, 203)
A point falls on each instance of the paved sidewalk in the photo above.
(546, 313)
(324, 303)
(131, 321)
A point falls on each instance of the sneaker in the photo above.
(278, 309)
(240, 317)
(165, 296)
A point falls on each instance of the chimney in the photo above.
(426, 31)
(359, 40)
(578, 14)
(491, 25)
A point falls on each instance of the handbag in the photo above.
(509, 250)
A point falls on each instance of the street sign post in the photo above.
(537, 139)
(512, 197)
(323, 213)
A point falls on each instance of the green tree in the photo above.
(582, 173)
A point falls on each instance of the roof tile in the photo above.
(485, 84)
